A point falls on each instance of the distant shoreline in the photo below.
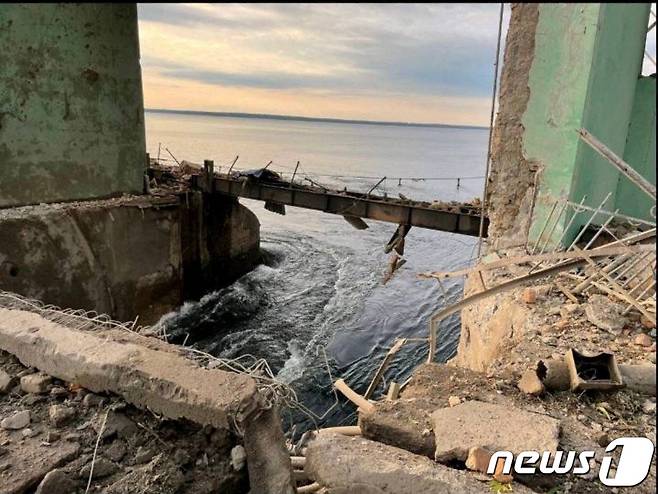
(310, 119)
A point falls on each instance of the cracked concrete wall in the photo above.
(566, 66)
(510, 191)
(118, 257)
(135, 256)
(71, 105)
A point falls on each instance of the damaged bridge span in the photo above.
(451, 217)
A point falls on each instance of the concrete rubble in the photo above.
(604, 313)
(368, 467)
(402, 423)
(494, 427)
(161, 420)
(127, 364)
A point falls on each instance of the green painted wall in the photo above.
(615, 68)
(586, 63)
(71, 105)
(559, 78)
(640, 151)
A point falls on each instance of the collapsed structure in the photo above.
(569, 274)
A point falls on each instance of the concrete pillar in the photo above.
(71, 105)
(566, 67)
(640, 151)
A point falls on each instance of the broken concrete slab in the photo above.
(403, 423)
(134, 366)
(605, 314)
(31, 461)
(494, 427)
(343, 465)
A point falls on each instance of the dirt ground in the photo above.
(134, 451)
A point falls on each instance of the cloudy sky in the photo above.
(426, 63)
(412, 62)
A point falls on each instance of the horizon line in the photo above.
(272, 116)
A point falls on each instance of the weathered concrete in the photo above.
(402, 423)
(71, 105)
(268, 460)
(346, 465)
(566, 66)
(221, 242)
(139, 256)
(640, 150)
(510, 191)
(147, 373)
(120, 257)
(605, 314)
(490, 327)
(493, 427)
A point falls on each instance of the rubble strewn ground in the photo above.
(137, 452)
(491, 398)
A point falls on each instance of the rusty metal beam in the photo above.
(458, 219)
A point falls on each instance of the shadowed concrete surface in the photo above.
(139, 256)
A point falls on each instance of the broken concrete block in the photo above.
(478, 459)
(102, 468)
(17, 421)
(494, 427)
(530, 383)
(345, 465)
(144, 371)
(36, 383)
(268, 460)
(116, 424)
(238, 457)
(401, 423)
(605, 314)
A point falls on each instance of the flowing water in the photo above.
(320, 291)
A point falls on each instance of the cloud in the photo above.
(371, 51)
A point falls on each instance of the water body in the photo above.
(320, 291)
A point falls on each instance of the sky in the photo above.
(393, 62)
(413, 62)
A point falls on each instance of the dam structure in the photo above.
(81, 226)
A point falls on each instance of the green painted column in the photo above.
(640, 151)
(615, 69)
(71, 105)
(587, 60)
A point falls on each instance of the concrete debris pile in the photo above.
(441, 433)
(110, 411)
(561, 366)
(50, 428)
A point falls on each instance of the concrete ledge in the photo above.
(345, 465)
(144, 371)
